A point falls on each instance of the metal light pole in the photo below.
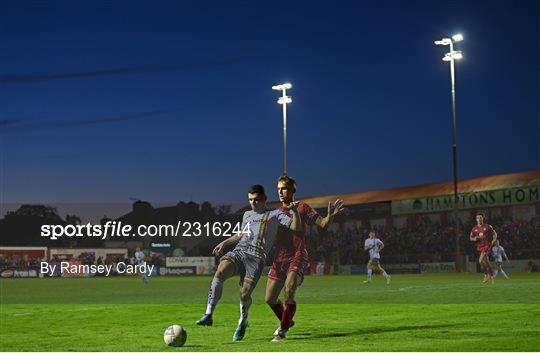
(284, 100)
(451, 56)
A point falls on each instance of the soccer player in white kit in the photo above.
(374, 245)
(248, 257)
(139, 260)
(497, 251)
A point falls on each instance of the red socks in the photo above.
(277, 309)
(288, 314)
(489, 270)
(284, 313)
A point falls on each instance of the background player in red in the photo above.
(291, 258)
(486, 237)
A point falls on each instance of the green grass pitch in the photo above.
(440, 312)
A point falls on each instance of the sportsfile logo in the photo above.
(113, 229)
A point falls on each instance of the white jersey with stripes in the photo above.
(263, 227)
(497, 251)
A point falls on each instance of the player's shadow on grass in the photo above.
(369, 330)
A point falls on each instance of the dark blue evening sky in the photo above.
(169, 101)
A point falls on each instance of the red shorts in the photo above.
(483, 248)
(283, 265)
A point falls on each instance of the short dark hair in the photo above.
(289, 181)
(257, 189)
(481, 214)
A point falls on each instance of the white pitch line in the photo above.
(22, 314)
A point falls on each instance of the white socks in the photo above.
(214, 295)
(502, 271)
(244, 310)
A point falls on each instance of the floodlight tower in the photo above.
(450, 57)
(284, 100)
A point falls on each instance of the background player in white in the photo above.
(139, 260)
(498, 252)
(374, 245)
(248, 257)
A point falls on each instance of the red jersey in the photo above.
(294, 244)
(484, 233)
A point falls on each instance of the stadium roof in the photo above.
(504, 181)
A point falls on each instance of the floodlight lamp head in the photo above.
(457, 37)
(282, 87)
(284, 100)
(457, 55)
(444, 41)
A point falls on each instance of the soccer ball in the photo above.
(175, 336)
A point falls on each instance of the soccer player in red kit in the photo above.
(485, 235)
(291, 258)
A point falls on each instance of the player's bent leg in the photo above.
(496, 271)
(504, 273)
(369, 272)
(487, 265)
(291, 285)
(383, 272)
(489, 270)
(379, 268)
(273, 288)
(225, 270)
(501, 270)
(245, 299)
(481, 261)
(245, 303)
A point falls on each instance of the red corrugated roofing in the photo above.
(504, 181)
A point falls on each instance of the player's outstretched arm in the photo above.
(333, 209)
(233, 240)
(505, 256)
